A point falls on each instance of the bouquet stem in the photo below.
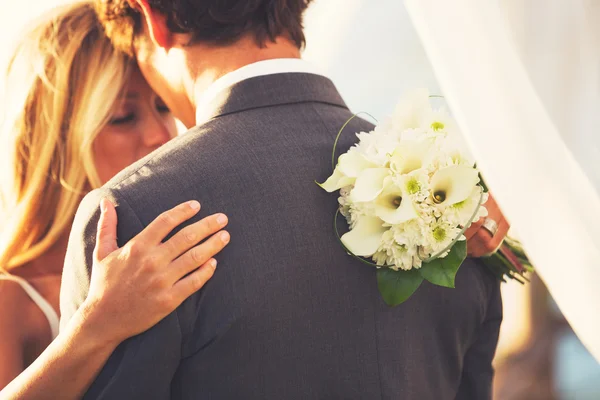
(509, 262)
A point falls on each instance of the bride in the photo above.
(77, 112)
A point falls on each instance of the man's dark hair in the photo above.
(218, 22)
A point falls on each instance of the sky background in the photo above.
(363, 48)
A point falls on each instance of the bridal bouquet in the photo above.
(408, 191)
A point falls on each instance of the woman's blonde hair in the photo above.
(62, 84)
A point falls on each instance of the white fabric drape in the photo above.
(543, 167)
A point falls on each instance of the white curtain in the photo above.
(370, 50)
(526, 93)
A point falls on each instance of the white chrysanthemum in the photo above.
(394, 255)
(345, 191)
(439, 236)
(353, 211)
(437, 121)
(439, 126)
(415, 184)
(428, 213)
(409, 234)
(377, 145)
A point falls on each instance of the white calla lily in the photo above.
(453, 184)
(366, 237)
(369, 184)
(349, 166)
(464, 210)
(353, 163)
(394, 206)
(336, 181)
(410, 156)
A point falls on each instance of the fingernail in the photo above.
(222, 219)
(224, 237)
(194, 205)
(213, 263)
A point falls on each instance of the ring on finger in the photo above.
(491, 226)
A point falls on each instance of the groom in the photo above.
(288, 314)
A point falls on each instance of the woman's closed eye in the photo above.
(162, 107)
(125, 114)
(123, 119)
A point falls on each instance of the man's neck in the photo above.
(212, 63)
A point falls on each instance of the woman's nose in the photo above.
(156, 132)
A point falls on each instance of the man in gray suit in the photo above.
(288, 314)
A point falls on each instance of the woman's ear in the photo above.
(156, 23)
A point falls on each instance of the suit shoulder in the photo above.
(182, 161)
(336, 118)
(175, 145)
(89, 207)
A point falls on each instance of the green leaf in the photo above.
(397, 286)
(442, 271)
(482, 182)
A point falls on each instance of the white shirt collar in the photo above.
(261, 68)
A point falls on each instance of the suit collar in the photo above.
(260, 68)
(268, 91)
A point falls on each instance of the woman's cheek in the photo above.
(114, 152)
(127, 148)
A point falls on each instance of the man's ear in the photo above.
(157, 24)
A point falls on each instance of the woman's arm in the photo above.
(66, 368)
(12, 338)
(132, 288)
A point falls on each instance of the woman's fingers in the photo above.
(167, 221)
(149, 277)
(193, 234)
(498, 238)
(198, 255)
(194, 281)
(482, 243)
(474, 228)
(106, 238)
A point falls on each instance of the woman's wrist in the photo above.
(76, 356)
(90, 326)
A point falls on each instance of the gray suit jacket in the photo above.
(288, 314)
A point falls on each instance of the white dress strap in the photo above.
(39, 300)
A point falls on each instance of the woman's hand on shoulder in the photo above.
(134, 287)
